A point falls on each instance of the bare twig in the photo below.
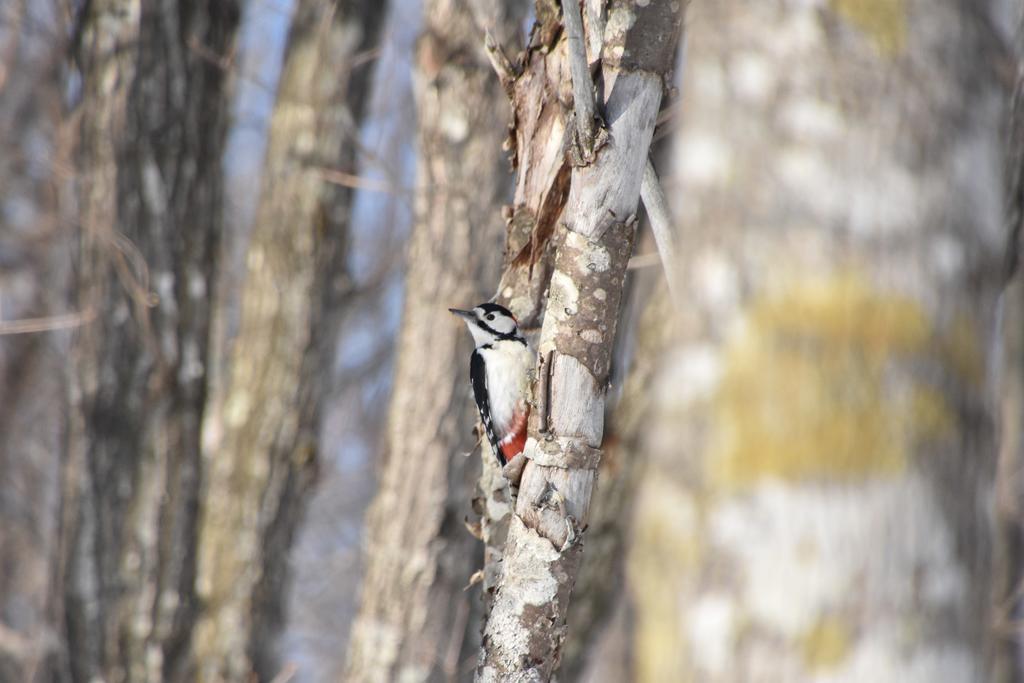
(641, 261)
(46, 324)
(507, 73)
(344, 179)
(653, 196)
(582, 84)
(594, 12)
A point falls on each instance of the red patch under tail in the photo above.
(514, 442)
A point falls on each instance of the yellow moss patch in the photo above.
(665, 550)
(826, 645)
(961, 346)
(815, 386)
(884, 21)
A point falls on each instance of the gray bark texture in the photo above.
(526, 627)
(262, 448)
(818, 503)
(417, 621)
(154, 116)
(600, 607)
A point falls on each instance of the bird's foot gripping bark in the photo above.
(553, 500)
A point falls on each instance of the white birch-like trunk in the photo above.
(819, 503)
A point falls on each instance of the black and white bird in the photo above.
(499, 371)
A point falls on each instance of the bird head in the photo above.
(489, 323)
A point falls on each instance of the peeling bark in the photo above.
(154, 119)
(263, 439)
(540, 90)
(540, 93)
(526, 627)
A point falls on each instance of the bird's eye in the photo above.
(490, 316)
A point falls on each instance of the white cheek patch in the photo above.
(503, 325)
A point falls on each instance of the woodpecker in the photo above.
(499, 371)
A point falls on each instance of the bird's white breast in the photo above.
(508, 366)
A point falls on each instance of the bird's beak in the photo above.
(468, 315)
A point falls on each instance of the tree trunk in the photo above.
(819, 501)
(154, 116)
(599, 605)
(1008, 570)
(263, 437)
(526, 627)
(34, 338)
(416, 620)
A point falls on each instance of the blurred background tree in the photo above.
(418, 620)
(35, 166)
(264, 445)
(818, 498)
(228, 236)
(154, 112)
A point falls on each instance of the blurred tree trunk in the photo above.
(34, 338)
(263, 437)
(154, 115)
(599, 605)
(416, 620)
(818, 504)
(1008, 579)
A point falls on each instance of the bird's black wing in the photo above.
(478, 377)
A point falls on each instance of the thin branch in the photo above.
(653, 196)
(506, 72)
(582, 85)
(641, 261)
(46, 324)
(344, 179)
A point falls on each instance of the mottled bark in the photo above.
(154, 116)
(526, 627)
(818, 504)
(538, 85)
(416, 620)
(599, 604)
(262, 446)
